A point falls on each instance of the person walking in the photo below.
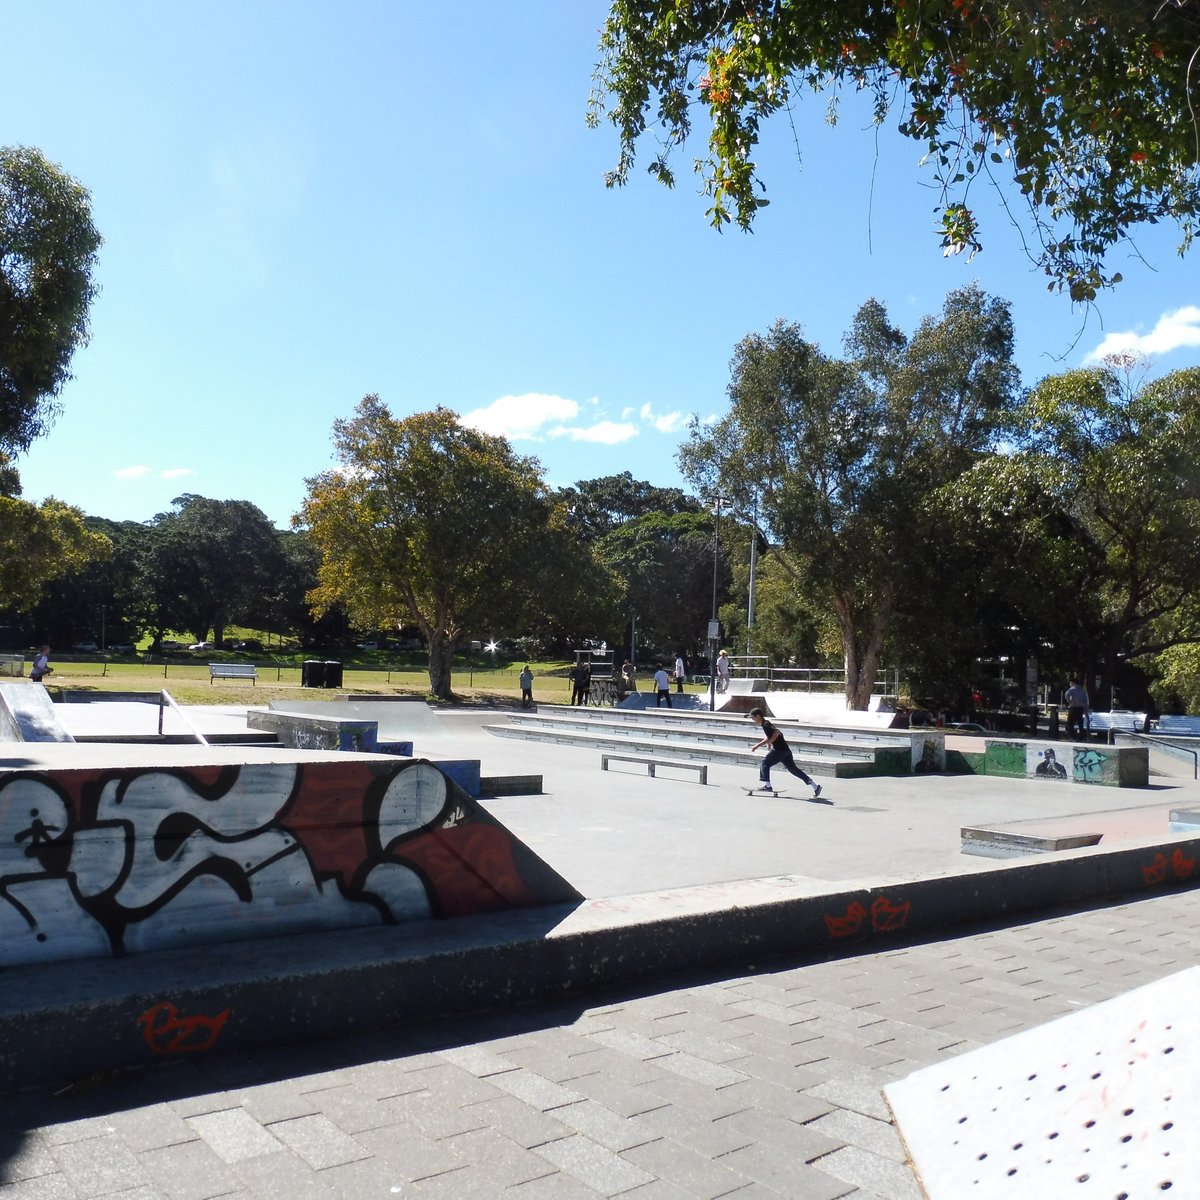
(41, 665)
(1077, 702)
(779, 752)
(662, 686)
(723, 671)
(526, 681)
(680, 672)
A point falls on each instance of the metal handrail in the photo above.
(165, 698)
(1160, 740)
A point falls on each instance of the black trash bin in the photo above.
(333, 674)
(312, 673)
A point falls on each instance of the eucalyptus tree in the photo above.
(845, 456)
(1088, 110)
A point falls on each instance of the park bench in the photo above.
(1121, 721)
(650, 761)
(1182, 726)
(233, 671)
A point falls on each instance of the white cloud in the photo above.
(667, 422)
(1174, 331)
(521, 418)
(609, 433)
(176, 472)
(131, 472)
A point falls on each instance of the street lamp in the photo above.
(714, 635)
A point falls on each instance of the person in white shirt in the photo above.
(662, 685)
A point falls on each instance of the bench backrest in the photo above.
(233, 668)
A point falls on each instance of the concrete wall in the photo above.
(113, 860)
(1059, 762)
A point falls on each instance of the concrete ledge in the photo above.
(65, 1021)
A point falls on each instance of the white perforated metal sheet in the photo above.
(1101, 1103)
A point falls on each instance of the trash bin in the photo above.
(312, 673)
(12, 664)
(333, 674)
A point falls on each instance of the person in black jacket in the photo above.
(779, 752)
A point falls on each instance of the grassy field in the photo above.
(189, 682)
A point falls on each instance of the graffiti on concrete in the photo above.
(886, 916)
(166, 1032)
(96, 862)
(1182, 867)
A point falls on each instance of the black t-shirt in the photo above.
(768, 731)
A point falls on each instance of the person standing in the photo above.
(680, 672)
(628, 676)
(526, 681)
(581, 682)
(723, 672)
(41, 665)
(662, 685)
(779, 752)
(1077, 702)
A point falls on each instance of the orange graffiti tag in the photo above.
(886, 916)
(166, 1032)
(1156, 872)
(1183, 867)
(848, 925)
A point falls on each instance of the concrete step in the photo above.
(841, 765)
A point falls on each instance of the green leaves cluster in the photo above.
(48, 250)
(427, 522)
(1088, 108)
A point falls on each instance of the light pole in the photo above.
(714, 635)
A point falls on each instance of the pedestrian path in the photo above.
(764, 1083)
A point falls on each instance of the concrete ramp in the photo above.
(27, 715)
(397, 719)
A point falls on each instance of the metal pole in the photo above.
(712, 641)
(753, 571)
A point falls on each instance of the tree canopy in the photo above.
(1091, 109)
(427, 522)
(844, 456)
(48, 249)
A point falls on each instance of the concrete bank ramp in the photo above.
(398, 718)
(27, 714)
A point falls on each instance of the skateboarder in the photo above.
(779, 752)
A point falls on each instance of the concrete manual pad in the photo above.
(1102, 1102)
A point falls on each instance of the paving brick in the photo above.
(29, 1157)
(506, 1163)
(318, 1141)
(778, 1170)
(43, 1187)
(152, 1127)
(526, 1126)
(873, 1173)
(282, 1176)
(707, 1138)
(534, 1090)
(594, 1165)
(190, 1171)
(868, 1133)
(695, 1172)
(233, 1135)
(100, 1165)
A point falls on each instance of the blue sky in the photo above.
(303, 203)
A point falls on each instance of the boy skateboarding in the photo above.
(779, 752)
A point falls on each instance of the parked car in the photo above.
(368, 645)
(122, 648)
(201, 646)
(249, 645)
(85, 648)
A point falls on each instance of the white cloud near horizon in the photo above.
(132, 472)
(608, 433)
(1174, 331)
(521, 418)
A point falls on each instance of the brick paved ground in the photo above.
(766, 1084)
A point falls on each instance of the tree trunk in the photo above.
(863, 651)
(441, 650)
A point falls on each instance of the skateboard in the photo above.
(783, 792)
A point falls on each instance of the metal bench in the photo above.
(650, 761)
(233, 671)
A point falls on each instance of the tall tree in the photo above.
(427, 522)
(1101, 502)
(844, 455)
(48, 249)
(210, 561)
(1089, 108)
(598, 506)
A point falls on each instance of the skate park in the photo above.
(620, 874)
